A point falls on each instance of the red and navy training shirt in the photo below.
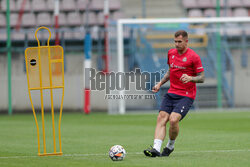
(188, 63)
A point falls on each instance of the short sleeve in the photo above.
(197, 64)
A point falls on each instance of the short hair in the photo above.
(183, 33)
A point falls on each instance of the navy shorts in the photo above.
(176, 103)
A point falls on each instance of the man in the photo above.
(185, 70)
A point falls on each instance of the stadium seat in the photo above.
(234, 4)
(53, 35)
(246, 28)
(51, 5)
(68, 5)
(3, 20)
(12, 5)
(114, 4)
(79, 35)
(126, 33)
(233, 29)
(240, 12)
(13, 19)
(45, 35)
(94, 32)
(212, 13)
(100, 18)
(27, 6)
(81, 4)
(209, 13)
(228, 13)
(246, 3)
(39, 5)
(97, 5)
(44, 19)
(189, 3)
(31, 35)
(204, 4)
(3, 34)
(28, 20)
(62, 19)
(195, 13)
(68, 35)
(92, 18)
(74, 19)
(222, 3)
(117, 15)
(17, 35)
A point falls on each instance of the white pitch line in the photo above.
(130, 153)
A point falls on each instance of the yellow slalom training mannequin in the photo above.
(45, 70)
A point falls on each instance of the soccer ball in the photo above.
(117, 153)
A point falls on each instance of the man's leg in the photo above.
(174, 125)
(160, 133)
(173, 133)
(160, 129)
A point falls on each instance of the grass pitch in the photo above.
(208, 139)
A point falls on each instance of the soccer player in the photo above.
(185, 70)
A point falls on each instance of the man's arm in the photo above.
(200, 78)
(165, 79)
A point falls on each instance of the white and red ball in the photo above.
(117, 153)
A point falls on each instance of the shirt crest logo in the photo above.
(172, 56)
(172, 65)
(184, 59)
